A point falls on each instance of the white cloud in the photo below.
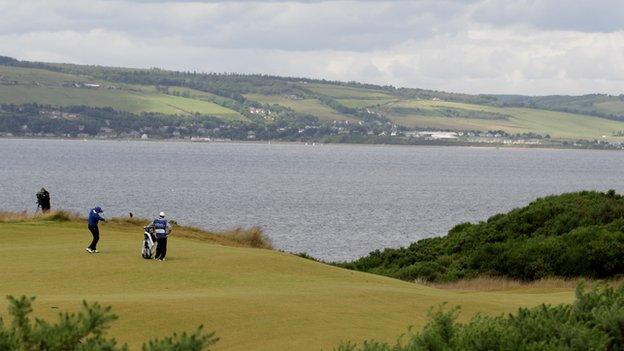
(469, 46)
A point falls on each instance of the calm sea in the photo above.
(335, 202)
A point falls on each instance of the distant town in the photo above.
(75, 123)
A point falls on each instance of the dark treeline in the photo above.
(570, 235)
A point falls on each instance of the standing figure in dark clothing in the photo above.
(43, 200)
(162, 230)
(94, 219)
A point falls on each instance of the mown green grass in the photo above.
(557, 124)
(305, 106)
(253, 298)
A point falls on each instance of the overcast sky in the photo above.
(531, 47)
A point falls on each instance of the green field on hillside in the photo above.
(616, 107)
(253, 298)
(362, 103)
(557, 124)
(41, 76)
(304, 106)
(47, 87)
(345, 92)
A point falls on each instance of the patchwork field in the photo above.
(25, 85)
(253, 298)
(20, 85)
(521, 120)
(304, 106)
(345, 92)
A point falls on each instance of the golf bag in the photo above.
(149, 243)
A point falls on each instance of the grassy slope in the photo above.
(344, 92)
(362, 103)
(352, 97)
(254, 299)
(610, 107)
(305, 106)
(557, 124)
(45, 87)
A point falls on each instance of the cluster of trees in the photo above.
(592, 322)
(82, 331)
(362, 138)
(78, 121)
(570, 235)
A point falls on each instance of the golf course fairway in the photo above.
(254, 299)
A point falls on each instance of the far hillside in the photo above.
(55, 99)
(25, 85)
(566, 236)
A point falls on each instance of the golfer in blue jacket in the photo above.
(94, 219)
(162, 229)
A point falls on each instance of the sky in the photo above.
(532, 47)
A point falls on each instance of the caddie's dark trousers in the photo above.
(161, 248)
(96, 236)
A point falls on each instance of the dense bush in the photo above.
(595, 321)
(82, 331)
(570, 235)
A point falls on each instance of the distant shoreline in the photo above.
(317, 143)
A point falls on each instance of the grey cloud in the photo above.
(481, 46)
(578, 15)
(350, 25)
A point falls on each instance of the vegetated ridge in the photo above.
(570, 235)
(51, 99)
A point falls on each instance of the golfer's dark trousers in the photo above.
(96, 236)
(161, 248)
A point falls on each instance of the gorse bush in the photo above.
(570, 235)
(595, 321)
(252, 237)
(82, 331)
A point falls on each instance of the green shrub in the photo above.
(595, 321)
(570, 235)
(82, 331)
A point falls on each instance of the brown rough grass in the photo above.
(501, 284)
(56, 215)
(252, 237)
(238, 237)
